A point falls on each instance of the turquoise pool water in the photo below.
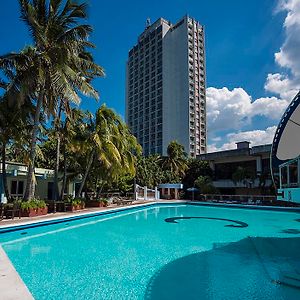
(162, 252)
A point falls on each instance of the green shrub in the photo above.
(32, 204)
(68, 198)
(104, 201)
(77, 201)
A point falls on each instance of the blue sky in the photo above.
(241, 40)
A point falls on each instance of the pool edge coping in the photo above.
(11, 284)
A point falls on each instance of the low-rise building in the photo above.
(17, 178)
(256, 160)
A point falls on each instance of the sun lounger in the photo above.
(120, 201)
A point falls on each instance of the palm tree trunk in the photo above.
(4, 175)
(57, 160)
(90, 161)
(64, 173)
(30, 185)
(56, 170)
(99, 191)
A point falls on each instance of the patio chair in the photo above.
(1, 211)
(12, 210)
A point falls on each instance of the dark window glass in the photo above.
(13, 189)
(284, 176)
(20, 187)
(293, 172)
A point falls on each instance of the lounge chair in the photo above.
(120, 201)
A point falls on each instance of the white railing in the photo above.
(146, 194)
(248, 199)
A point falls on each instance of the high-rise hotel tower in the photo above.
(165, 87)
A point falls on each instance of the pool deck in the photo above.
(11, 285)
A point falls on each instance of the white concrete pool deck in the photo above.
(12, 286)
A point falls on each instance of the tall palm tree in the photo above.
(175, 161)
(12, 124)
(108, 140)
(56, 68)
(68, 134)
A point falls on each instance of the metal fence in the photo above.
(247, 199)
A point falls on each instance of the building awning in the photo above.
(178, 186)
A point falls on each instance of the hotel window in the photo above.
(17, 188)
(284, 176)
(293, 173)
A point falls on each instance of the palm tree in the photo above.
(175, 161)
(56, 68)
(12, 124)
(108, 140)
(149, 171)
(244, 176)
(68, 135)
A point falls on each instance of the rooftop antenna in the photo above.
(148, 22)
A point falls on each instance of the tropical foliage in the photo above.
(205, 186)
(42, 125)
(54, 69)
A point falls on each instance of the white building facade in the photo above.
(44, 181)
(165, 87)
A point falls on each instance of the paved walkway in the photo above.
(12, 286)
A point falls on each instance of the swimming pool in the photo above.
(161, 252)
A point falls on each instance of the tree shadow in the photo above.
(247, 269)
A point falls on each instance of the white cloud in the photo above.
(227, 109)
(234, 109)
(288, 56)
(256, 137)
(282, 85)
(270, 107)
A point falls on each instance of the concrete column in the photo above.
(145, 193)
(176, 194)
(258, 165)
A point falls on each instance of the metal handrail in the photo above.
(241, 198)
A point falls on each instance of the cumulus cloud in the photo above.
(234, 109)
(227, 108)
(282, 85)
(288, 56)
(255, 137)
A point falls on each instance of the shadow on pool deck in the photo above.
(248, 269)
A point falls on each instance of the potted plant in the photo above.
(28, 209)
(33, 207)
(42, 208)
(76, 204)
(104, 202)
(101, 202)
